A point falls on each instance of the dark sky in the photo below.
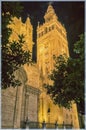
(71, 14)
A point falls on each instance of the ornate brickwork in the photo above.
(51, 40)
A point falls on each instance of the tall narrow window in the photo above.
(46, 30)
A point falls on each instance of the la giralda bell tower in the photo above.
(52, 40)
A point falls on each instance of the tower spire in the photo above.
(50, 13)
(28, 19)
(51, 2)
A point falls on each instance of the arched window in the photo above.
(52, 27)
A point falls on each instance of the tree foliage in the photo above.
(13, 54)
(68, 78)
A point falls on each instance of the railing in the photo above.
(44, 125)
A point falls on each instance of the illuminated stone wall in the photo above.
(7, 107)
(21, 102)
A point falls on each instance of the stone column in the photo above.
(20, 75)
(18, 103)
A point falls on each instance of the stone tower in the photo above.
(18, 28)
(51, 40)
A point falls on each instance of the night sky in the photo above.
(70, 14)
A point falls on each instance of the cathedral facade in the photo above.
(30, 99)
